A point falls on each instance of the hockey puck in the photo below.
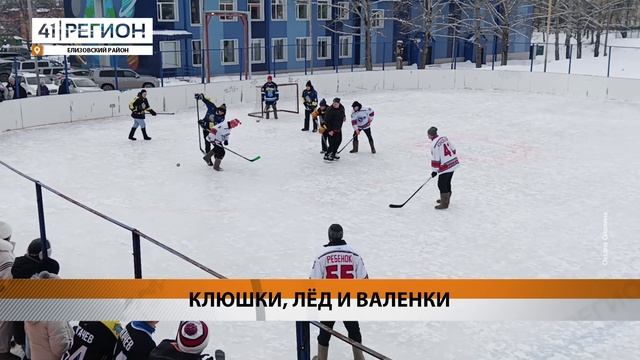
(177, 164)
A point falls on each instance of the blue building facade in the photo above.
(286, 35)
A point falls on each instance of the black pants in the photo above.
(218, 152)
(273, 106)
(334, 142)
(307, 117)
(353, 328)
(366, 132)
(444, 182)
(207, 145)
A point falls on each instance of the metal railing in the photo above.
(303, 342)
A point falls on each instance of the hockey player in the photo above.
(214, 116)
(94, 340)
(310, 101)
(192, 339)
(444, 161)
(135, 341)
(139, 106)
(361, 119)
(333, 119)
(219, 136)
(270, 96)
(338, 260)
(318, 115)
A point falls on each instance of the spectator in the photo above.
(43, 90)
(135, 341)
(18, 91)
(64, 87)
(3, 92)
(6, 261)
(190, 342)
(24, 267)
(47, 340)
(94, 340)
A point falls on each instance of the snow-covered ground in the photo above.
(539, 176)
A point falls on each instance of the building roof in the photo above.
(171, 33)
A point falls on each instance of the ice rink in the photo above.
(548, 188)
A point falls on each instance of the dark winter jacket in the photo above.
(135, 341)
(168, 350)
(18, 91)
(212, 113)
(310, 99)
(24, 267)
(63, 89)
(139, 106)
(334, 118)
(96, 339)
(44, 90)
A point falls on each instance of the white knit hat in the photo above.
(193, 337)
(5, 231)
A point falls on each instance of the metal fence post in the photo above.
(609, 63)
(202, 68)
(570, 56)
(384, 54)
(302, 340)
(305, 57)
(43, 231)
(137, 256)
(241, 62)
(115, 71)
(66, 73)
(495, 50)
(533, 56)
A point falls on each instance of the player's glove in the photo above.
(152, 112)
(226, 142)
(322, 129)
(434, 174)
(357, 132)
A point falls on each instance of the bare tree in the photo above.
(508, 19)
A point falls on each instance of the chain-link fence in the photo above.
(63, 75)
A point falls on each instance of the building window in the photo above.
(377, 18)
(324, 10)
(279, 49)
(196, 52)
(302, 11)
(167, 10)
(229, 53)
(278, 10)
(302, 48)
(170, 54)
(343, 10)
(196, 11)
(257, 51)
(324, 47)
(345, 43)
(227, 5)
(256, 9)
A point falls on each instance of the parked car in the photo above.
(10, 55)
(29, 82)
(127, 79)
(74, 73)
(52, 72)
(30, 65)
(82, 85)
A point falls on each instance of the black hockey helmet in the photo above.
(336, 100)
(35, 247)
(335, 232)
(323, 102)
(222, 108)
(433, 131)
(356, 104)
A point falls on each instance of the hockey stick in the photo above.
(251, 160)
(165, 113)
(394, 206)
(198, 126)
(347, 144)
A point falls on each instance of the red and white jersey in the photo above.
(219, 133)
(443, 156)
(338, 262)
(362, 118)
